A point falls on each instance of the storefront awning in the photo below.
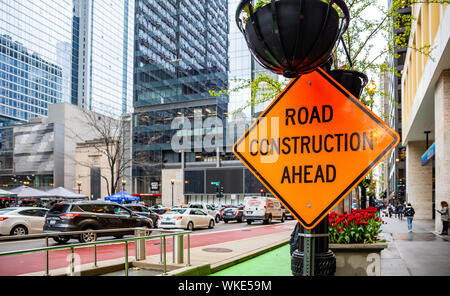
(428, 155)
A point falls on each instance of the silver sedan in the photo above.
(22, 220)
(186, 219)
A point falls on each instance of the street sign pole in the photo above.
(309, 248)
(300, 148)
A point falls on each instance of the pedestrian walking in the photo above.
(444, 217)
(390, 209)
(401, 210)
(409, 214)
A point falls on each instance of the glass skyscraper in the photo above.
(105, 55)
(77, 51)
(242, 67)
(181, 53)
(35, 57)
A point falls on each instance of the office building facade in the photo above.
(73, 51)
(181, 53)
(103, 46)
(426, 110)
(35, 57)
(396, 161)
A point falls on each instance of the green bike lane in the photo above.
(274, 263)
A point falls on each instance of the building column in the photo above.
(418, 180)
(442, 142)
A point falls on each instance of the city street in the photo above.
(35, 262)
(40, 243)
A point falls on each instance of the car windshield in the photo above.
(7, 210)
(176, 211)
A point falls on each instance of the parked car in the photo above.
(92, 215)
(210, 210)
(22, 220)
(159, 209)
(262, 208)
(287, 214)
(186, 218)
(143, 211)
(234, 213)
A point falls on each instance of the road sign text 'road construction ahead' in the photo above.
(313, 145)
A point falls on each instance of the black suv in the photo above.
(92, 215)
(143, 211)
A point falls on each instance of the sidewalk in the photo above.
(422, 252)
(418, 253)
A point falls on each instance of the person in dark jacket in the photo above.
(400, 211)
(409, 214)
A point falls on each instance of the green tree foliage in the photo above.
(371, 22)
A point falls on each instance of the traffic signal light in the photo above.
(219, 189)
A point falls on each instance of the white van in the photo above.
(257, 208)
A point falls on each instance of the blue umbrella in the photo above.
(121, 196)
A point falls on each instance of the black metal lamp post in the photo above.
(172, 182)
(291, 38)
(79, 187)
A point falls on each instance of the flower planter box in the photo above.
(358, 259)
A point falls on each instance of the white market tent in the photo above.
(62, 192)
(25, 191)
(5, 193)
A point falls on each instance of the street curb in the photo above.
(207, 269)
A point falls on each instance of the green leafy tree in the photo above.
(370, 24)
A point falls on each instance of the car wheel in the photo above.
(217, 218)
(87, 237)
(282, 219)
(225, 221)
(211, 224)
(19, 230)
(61, 239)
(249, 222)
(190, 226)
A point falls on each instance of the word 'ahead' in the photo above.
(313, 145)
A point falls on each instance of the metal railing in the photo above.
(140, 239)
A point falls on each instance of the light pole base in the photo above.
(324, 263)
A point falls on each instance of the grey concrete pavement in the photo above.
(422, 252)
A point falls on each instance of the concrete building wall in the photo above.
(86, 157)
(418, 180)
(178, 197)
(71, 127)
(442, 135)
(426, 108)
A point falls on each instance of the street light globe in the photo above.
(172, 181)
(371, 87)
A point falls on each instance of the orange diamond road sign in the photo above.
(314, 144)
